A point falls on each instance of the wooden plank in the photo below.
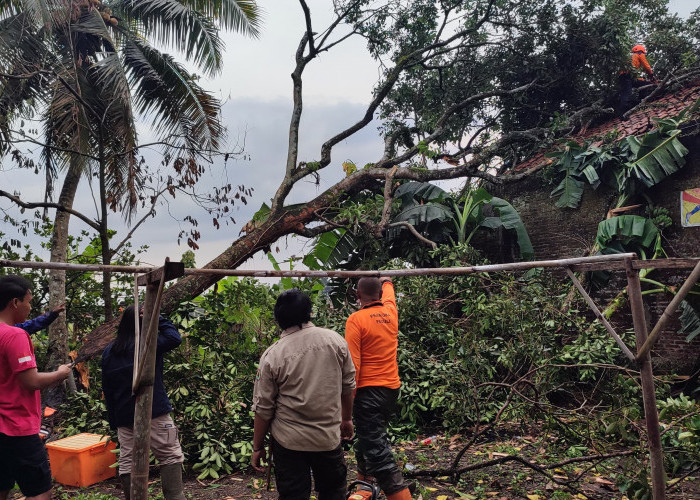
(170, 270)
(651, 413)
(600, 316)
(674, 263)
(598, 266)
(144, 400)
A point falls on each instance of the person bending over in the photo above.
(303, 395)
(117, 375)
(23, 458)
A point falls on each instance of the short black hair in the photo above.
(13, 286)
(293, 307)
(370, 287)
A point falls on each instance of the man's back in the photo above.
(372, 336)
(300, 382)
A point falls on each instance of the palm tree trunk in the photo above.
(104, 240)
(57, 352)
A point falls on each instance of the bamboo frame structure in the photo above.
(154, 279)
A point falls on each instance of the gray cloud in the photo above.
(263, 127)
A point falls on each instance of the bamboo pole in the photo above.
(592, 262)
(651, 414)
(137, 333)
(670, 309)
(600, 316)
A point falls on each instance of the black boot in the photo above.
(126, 485)
(171, 482)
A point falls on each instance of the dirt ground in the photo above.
(509, 480)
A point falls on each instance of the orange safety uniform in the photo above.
(372, 337)
(639, 61)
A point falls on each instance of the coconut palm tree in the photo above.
(87, 69)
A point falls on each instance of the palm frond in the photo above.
(242, 16)
(178, 25)
(164, 88)
(22, 53)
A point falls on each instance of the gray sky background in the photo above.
(256, 89)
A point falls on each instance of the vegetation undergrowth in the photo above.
(474, 350)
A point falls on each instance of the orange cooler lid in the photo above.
(79, 442)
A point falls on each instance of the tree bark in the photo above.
(57, 351)
(104, 241)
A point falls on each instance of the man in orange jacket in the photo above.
(372, 337)
(630, 77)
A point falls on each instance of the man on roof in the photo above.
(631, 76)
(372, 336)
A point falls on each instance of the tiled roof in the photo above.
(639, 122)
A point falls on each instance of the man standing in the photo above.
(23, 458)
(372, 336)
(303, 395)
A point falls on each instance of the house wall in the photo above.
(561, 233)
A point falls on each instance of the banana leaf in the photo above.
(509, 218)
(623, 234)
(629, 230)
(412, 193)
(331, 250)
(657, 155)
(690, 321)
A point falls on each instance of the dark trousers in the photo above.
(627, 83)
(372, 409)
(293, 470)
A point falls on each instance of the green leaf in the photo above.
(569, 191)
(690, 321)
(413, 193)
(628, 229)
(510, 218)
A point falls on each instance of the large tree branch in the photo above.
(17, 201)
(293, 174)
(415, 233)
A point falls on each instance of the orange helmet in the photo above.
(639, 48)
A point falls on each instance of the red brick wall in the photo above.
(560, 233)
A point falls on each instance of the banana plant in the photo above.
(630, 166)
(436, 214)
(633, 233)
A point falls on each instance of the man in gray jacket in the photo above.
(303, 394)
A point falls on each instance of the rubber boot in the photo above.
(171, 481)
(403, 494)
(125, 479)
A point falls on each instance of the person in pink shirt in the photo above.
(23, 458)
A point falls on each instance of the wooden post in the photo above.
(144, 403)
(144, 375)
(651, 413)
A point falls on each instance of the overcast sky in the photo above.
(255, 87)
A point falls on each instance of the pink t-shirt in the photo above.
(20, 408)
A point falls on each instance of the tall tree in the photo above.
(467, 89)
(87, 68)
